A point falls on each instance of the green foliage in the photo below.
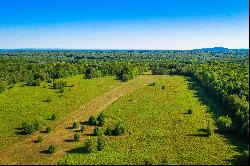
(101, 119)
(190, 111)
(224, 123)
(109, 131)
(28, 128)
(100, 143)
(59, 85)
(127, 72)
(54, 117)
(33, 82)
(75, 125)
(119, 129)
(98, 131)
(52, 149)
(77, 137)
(48, 129)
(93, 121)
(90, 145)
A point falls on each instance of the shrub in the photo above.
(48, 130)
(82, 129)
(101, 119)
(224, 123)
(163, 87)
(93, 121)
(28, 128)
(39, 139)
(90, 145)
(33, 82)
(37, 125)
(109, 131)
(119, 129)
(100, 144)
(77, 137)
(190, 111)
(52, 149)
(152, 84)
(54, 117)
(74, 125)
(98, 131)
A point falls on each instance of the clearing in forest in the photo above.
(159, 128)
(29, 152)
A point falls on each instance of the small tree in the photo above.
(101, 119)
(28, 128)
(100, 143)
(77, 137)
(54, 117)
(52, 149)
(90, 145)
(109, 131)
(119, 129)
(98, 131)
(224, 123)
(93, 121)
(190, 111)
(75, 125)
(48, 129)
(163, 87)
(37, 125)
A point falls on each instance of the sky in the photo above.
(124, 24)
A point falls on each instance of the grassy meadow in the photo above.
(159, 128)
(27, 103)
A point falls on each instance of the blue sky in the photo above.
(124, 24)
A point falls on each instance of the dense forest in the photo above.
(224, 75)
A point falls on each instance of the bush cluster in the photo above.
(99, 121)
(29, 128)
(118, 130)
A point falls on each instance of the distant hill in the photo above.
(221, 49)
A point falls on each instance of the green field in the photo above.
(27, 103)
(159, 130)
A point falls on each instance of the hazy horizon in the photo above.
(130, 25)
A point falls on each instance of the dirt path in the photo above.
(28, 152)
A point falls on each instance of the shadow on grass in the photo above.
(69, 140)
(185, 113)
(45, 152)
(84, 123)
(69, 128)
(19, 131)
(240, 144)
(79, 150)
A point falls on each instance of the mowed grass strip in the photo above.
(25, 103)
(159, 129)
